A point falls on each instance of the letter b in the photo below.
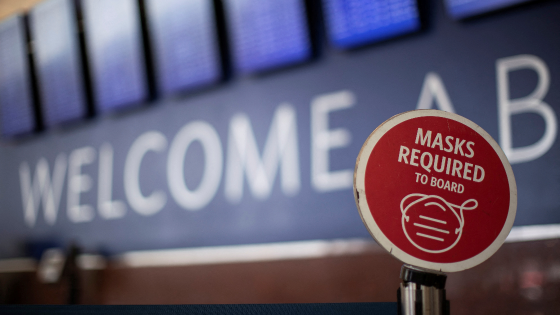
(532, 103)
(433, 182)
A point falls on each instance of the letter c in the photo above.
(144, 205)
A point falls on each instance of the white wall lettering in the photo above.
(79, 183)
(42, 189)
(532, 103)
(281, 148)
(108, 209)
(194, 199)
(144, 205)
(324, 139)
(434, 90)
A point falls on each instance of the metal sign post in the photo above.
(437, 192)
(422, 292)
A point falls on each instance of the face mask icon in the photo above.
(432, 224)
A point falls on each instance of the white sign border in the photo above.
(373, 228)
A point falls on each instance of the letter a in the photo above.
(433, 89)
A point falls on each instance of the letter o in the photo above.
(208, 137)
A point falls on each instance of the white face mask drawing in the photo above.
(432, 224)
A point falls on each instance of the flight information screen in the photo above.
(266, 34)
(116, 54)
(58, 62)
(16, 103)
(465, 8)
(184, 43)
(352, 23)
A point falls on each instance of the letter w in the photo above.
(243, 156)
(42, 189)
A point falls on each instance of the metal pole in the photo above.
(422, 292)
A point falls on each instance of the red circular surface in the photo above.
(412, 206)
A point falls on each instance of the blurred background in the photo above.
(202, 151)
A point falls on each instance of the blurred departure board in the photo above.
(353, 23)
(115, 49)
(465, 8)
(184, 43)
(16, 103)
(267, 34)
(58, 62)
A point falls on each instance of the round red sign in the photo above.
(435, 190)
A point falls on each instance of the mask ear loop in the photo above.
(462, 207)
(403, 209)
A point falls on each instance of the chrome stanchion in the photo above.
(422, 292)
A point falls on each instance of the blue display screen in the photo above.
(58, 62)
(16, 103)
(184, 43)
(115, 49)
(465, 8)
(267, 34)
(354, 23)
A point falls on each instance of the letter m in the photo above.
(423, 139)
(42, 189)
(281, 149)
